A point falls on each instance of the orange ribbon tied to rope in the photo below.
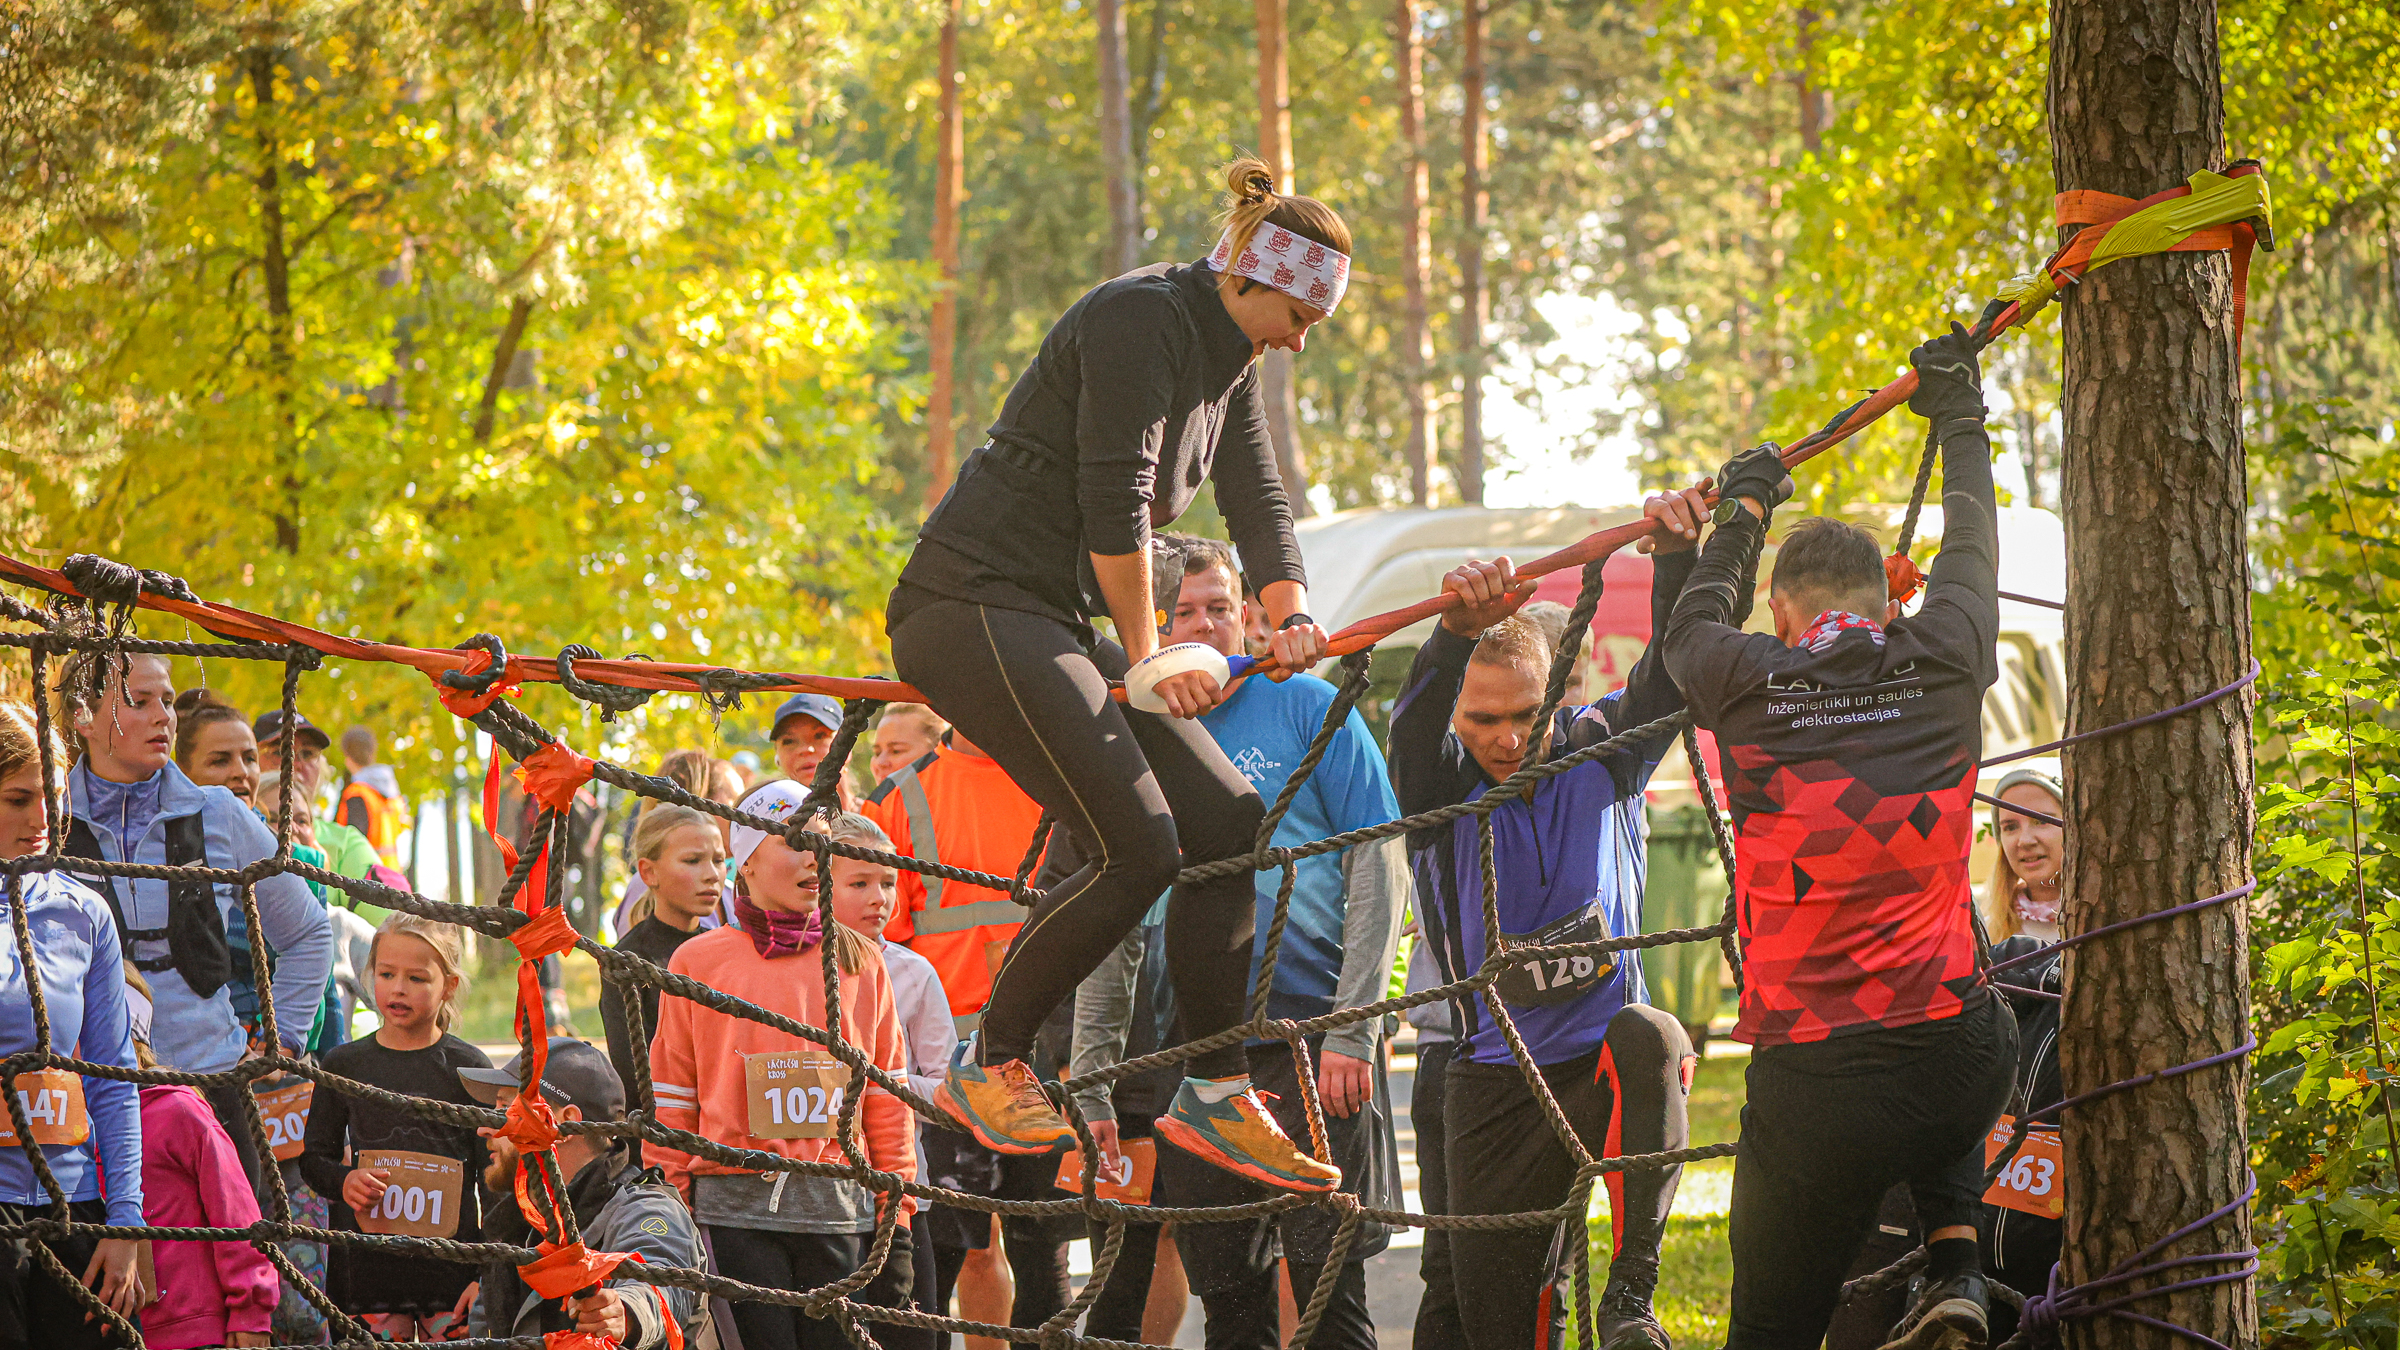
(561, 1272)
(554, 774)
(1901, 576)
(465, 703)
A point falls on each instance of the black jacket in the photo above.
(1143, 390)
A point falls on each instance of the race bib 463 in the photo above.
(2034, 1182)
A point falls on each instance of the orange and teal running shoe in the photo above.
(1002, 1105)
(1240, 1136)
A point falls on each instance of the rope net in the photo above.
(97, 598)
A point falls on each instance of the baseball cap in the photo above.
(777, 801)
(578, 1074)
(818, 706)
(269, 727)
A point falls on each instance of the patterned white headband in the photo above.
(1298, 266)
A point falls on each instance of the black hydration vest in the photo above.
(195, 931)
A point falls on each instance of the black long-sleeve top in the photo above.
(1142, 391)
(1849, 763)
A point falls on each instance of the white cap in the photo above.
(778, 801)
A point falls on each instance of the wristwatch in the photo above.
(1295, 619)
(1729, 510)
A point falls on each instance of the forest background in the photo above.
(610, 323)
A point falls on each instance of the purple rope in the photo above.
(2178, 710)
(2029, 993)
(2044, 1312)
(2020, 810)
(2146, 1079)
(2033, 600)
(2121, 925)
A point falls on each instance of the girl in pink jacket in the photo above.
(209, 1293)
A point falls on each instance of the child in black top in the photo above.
(420, 1180)
(681, 859)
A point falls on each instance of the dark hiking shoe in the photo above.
(1951, 1315)
(1625, 1322)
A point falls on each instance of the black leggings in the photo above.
(1503, 1158)
(1827, 1129)
(1143, 794)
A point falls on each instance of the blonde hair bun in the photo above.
(1250, 180)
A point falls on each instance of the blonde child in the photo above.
(428, 1188)
(780, 1230)
(680, 859)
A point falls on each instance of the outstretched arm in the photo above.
(1962, 595)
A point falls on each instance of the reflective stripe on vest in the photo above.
(923, 846)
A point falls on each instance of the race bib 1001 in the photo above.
(2034, 1182)
(794, 1094)
(53, 1102)
(1538, 982)
(420, 1196)
(284, 1106)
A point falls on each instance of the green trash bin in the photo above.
(1686, 890)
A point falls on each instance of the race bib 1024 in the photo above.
(794, 1094)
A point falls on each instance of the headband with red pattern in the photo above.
(1294, 264)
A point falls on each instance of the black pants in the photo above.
(226, 1099)
(1503, 1157)
(1233, 1265)
(2018, 1250)
(1866, 1322)
(32, 1301)
(804, 1261)
(1438, 1327)
(1827, 1129)
(1036, 1246)
(1117, 1314)
(1141, 794)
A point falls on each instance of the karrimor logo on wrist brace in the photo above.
(1298, 266)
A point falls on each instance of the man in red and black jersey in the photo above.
(1849, 741)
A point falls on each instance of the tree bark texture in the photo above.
(275, 267)
(2158, 614)
(949, 185)
(1474, 314)
(1116, 141)
(1275, 147)
(1416, 334)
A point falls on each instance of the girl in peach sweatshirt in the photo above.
(746, 1085)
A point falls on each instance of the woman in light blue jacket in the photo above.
(129, 803)
(82, 980)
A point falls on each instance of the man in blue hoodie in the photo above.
(1569, 861)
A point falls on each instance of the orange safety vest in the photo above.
(963, 810)
(375, 817)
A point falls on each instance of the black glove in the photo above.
(1756, 473)
(1949, 382)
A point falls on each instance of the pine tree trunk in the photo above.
(1475, 310)
(1116, 141)
(1416, 336)
(2158, 613)
(949, 185)
(1275, 147)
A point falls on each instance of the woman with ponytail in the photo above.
(1146, 388)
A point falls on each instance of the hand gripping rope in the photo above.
(478, 680)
